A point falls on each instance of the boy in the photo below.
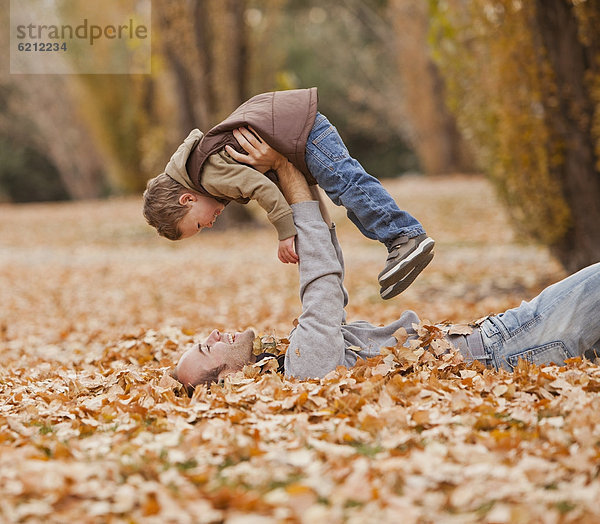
(208, 171)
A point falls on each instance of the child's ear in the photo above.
(186, 198)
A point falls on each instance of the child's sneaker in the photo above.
(401, 285)
(407, 258)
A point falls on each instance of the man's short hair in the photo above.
(206, 376)
(162, 209)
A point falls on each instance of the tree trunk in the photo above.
(203, 38)
(59, 132)
(239, 59)
(188, 118)
(211, 73)
(571, 119)
(179, 29)
(434, 133)
(40, 111)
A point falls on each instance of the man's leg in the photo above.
(563, 321)
(370, 207)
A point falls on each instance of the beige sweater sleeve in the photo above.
(223, 177)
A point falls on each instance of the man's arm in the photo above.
(293, 184)
(264, 158)
(317, 344)
(317, 194)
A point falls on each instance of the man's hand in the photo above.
(261, 156)
(287, 252)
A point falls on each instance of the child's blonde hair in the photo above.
(162, 209)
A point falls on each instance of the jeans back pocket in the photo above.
(540, 355)
(330, 144)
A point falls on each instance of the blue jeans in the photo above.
(562, 322)
(368, 205)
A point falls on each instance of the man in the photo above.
(560, 323)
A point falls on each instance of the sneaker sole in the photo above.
(405, 266)
(400, 286)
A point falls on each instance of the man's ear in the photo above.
(186, 198)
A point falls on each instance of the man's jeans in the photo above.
(345, 181)
(562, 322)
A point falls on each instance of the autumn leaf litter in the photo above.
(93, 428)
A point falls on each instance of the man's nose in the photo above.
(214, 336)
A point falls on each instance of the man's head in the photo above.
(220, 355)
(175, 211)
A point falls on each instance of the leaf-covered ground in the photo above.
(95, 310)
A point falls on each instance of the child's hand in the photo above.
(287, 252)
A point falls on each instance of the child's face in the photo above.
(202, 212)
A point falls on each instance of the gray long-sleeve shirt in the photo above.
(322, 340)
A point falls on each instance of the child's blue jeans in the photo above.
(345, 181)
(562, 322)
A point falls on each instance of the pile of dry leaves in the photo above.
(407, 433)
(93, 429)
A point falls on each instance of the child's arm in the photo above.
(223, 177)
(264, 158)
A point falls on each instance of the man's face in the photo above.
(232, 351)
(202, 212)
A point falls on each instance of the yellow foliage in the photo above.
(503, 90)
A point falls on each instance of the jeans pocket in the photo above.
(545, 354)
(330, 144)
(319, 119)
(490, 327)
(517, 320)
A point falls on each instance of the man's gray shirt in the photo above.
(322, 340)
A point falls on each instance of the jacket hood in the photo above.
(176, 167)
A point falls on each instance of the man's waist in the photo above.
(470, 345)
